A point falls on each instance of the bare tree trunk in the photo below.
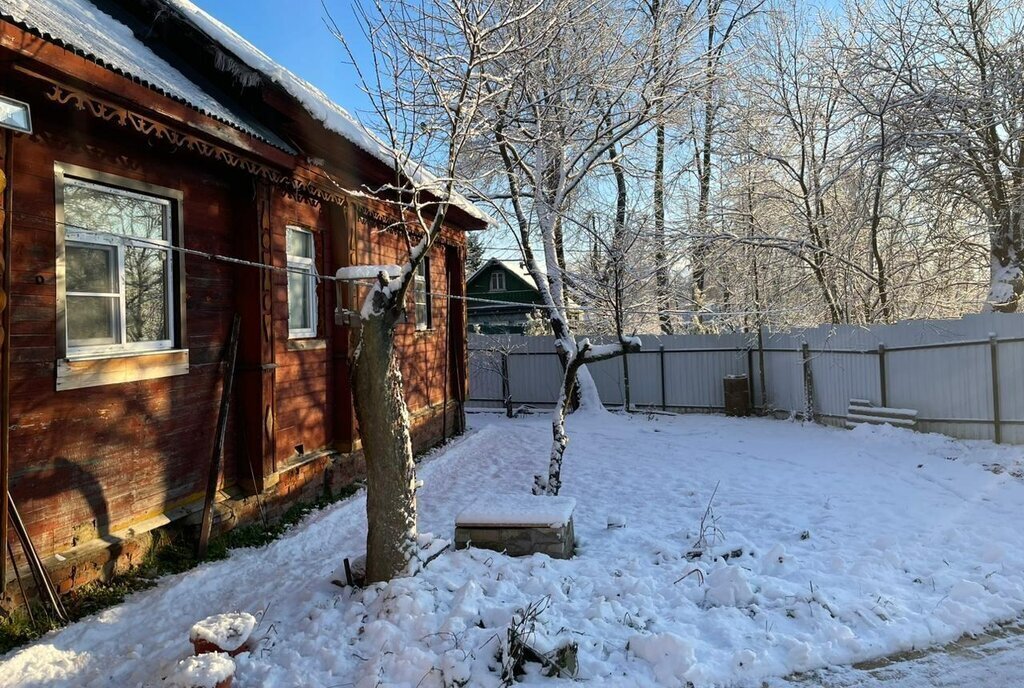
(663, 297)
(384, 429)
(881, 277)
(700, 252)
(703, 156)
(660, 253)
(559, 438)
(618, 262)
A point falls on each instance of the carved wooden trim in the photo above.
(111, 112)
(378, 221)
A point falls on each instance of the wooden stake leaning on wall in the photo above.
(42, 578)
(21, 585)
(230, 357)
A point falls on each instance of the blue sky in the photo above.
(293, 33)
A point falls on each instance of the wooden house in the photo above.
(512, 293)
(168, 161)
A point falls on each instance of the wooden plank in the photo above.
(883, 411)
(854, 419)
(75, 374)
(218, 447)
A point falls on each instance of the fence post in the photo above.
(760, 368)
(994, 359)
(805, 352)
(883, 384)
(750, 377)
(661, 364)
(506, 387)
(626, 401)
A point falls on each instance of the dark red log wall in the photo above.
(86, 462)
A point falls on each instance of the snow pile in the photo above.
(226, 631)
(203, 671)
(843, 546)
(518, 510)
(727, 586)
(670, 656)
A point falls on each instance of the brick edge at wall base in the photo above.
(301, 481)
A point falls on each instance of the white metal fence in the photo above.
(964, 377)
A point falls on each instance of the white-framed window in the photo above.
(421, 292)
(118, 269)
(497, 281)
(302, 309)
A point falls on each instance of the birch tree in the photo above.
(586, 85)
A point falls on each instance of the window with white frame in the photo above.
(302, 310)
(497, 281)
(421, 291)
(118, 269)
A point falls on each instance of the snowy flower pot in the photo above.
(227, 633)
(518, 525)
(209, 670)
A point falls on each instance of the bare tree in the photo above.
(721, 21)
(429, 87)
(961, 109)
(581, 87)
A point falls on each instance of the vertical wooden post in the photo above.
(6, 219)
(994, 359)
(506, 388)
(626, 402)
(254, 301)
(231, 355)
(805, 352)
(661, 366)
(760, 368)
(750, 376)
(883, 383)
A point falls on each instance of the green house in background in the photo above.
(509, 284)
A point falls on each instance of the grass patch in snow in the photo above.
(172, 552)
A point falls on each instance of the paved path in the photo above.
(993, 660)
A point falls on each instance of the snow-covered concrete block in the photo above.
(518, 525)
(210, 670)
(222, 633)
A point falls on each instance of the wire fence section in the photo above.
(965, 377)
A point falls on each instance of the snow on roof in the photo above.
(81, 27)
(315, 101)
(516, 267)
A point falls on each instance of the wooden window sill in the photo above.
(93, 371)
(309, 344)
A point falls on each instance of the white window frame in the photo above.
(82, 237)
(497, 277)
(422, 281)
(306, 265)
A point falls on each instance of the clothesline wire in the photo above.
(144, 242)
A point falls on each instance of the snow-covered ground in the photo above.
(852, 545)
